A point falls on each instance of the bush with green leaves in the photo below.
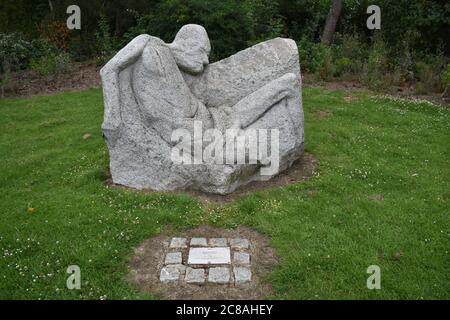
(343, 66)
(446, 76)
(266, 20)
(15, 52)
(313, 55)
(229, 23)
(51, 64)
(106, 44)
(429, 73)
(376, 65)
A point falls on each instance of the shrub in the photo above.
(105, 43)
(15, 52)
(345, 57)
(343, 66)
(446, 76)
(429, 73)
(51, 64)
(42, 47)
(325, 67)
(376, 66)
(429, 77)
(267, 23)
(446, 82)
(56, 33)
(315, 57)
(228, 22)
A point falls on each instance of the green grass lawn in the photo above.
(380, 196)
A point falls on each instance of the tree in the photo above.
(331, 22)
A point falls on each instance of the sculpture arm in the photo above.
(110, 82)
(253, 106)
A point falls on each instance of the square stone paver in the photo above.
(219, 275)
(171, 273)
(218, 242)
(178, 243)
(239, 243)
(241, 258)
(198, 242)
(242, 275)
(195, 275)
(173, 258)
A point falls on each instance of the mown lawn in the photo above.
(380, 196)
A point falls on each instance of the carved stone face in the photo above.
(191, 48)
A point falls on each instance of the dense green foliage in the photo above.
(411, 47)
(233, 24)
(228, 23)
(380, 196)
(51, 63)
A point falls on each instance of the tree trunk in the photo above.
(331, 22)
(118, 18)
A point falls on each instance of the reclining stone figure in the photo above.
(152, 89)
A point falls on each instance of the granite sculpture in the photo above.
(154, 90)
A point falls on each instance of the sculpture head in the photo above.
(191, 48)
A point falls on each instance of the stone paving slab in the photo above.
(171, 273)
(242, 275)
(239, 243)
(218, 242)
(219, 275)
(195, 275)
(241, 258)
(173, 258)
(199, 242)
(178, 243)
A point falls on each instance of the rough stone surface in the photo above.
(173, 258)
(178, 243)
(218, 242)
(171, 273)
(219, 275)
(152, 88)
(195, 275)
(239, 243)
(199, 242)
(241, 258)
(242, 275)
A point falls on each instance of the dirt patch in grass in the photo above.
(376, 197)
(351, 98)
(324, 113)
(146, 263)
(301, 170)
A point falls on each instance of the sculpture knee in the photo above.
(289, 81)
